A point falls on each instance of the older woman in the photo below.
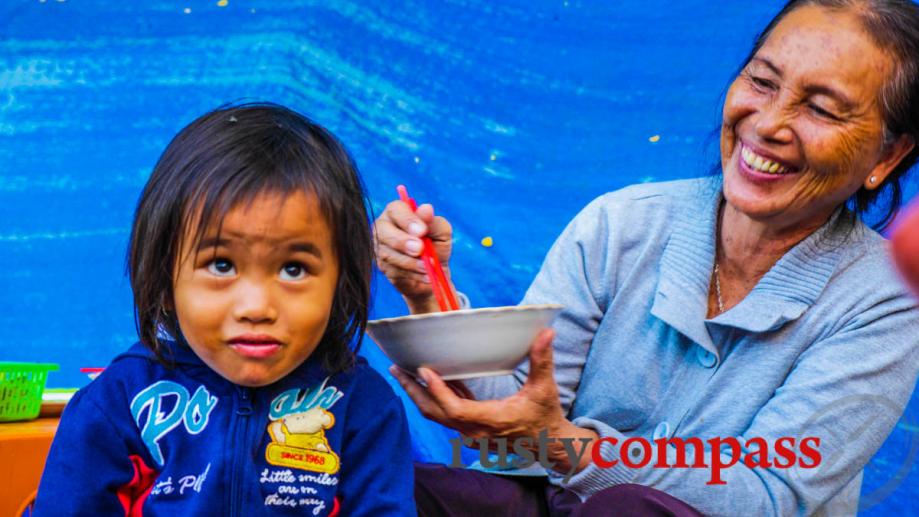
(754, 306)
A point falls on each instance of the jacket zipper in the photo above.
(243, 411)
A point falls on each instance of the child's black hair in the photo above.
(228, 157)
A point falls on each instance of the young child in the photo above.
(250, 261)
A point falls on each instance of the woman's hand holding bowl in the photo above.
(536, 407)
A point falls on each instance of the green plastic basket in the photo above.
(21, 386)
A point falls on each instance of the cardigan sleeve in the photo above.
(847, 390)
(574, 274)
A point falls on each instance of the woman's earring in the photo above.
(872, 180)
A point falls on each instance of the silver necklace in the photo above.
(718, 290)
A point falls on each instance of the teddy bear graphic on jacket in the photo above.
(299, 441)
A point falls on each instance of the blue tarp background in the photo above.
(508, 116)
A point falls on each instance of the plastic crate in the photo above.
(21, 387)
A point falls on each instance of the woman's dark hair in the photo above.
(893, 25)
(228, 157)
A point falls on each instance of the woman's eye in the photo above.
(293, 271)
(221, 267)
(762, 83)
(822, 112)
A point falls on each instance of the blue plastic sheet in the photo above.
(509, 116)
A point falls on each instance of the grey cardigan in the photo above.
(825, 345)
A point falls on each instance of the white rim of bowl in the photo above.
(463, 312)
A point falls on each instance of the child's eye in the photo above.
(221, 267)
(293, 271)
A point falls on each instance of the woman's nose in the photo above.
(773, 122)
(254, 303)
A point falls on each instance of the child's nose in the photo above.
(254, 303)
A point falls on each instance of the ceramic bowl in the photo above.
(463, 344)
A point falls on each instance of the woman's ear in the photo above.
(893, 155)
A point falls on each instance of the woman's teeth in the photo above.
(761, 164)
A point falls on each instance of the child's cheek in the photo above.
(201, 310)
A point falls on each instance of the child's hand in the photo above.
(397, 236)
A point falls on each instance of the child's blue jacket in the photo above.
(143, 439)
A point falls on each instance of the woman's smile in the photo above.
(759, 167)
(759, 162)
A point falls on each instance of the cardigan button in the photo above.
(705, 358)
(661, 431)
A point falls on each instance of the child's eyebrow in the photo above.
(302, 246)
(211, 242)
(306, 247)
